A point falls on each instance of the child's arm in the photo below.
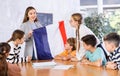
(75, 59)
(61, 55)
(111, 65)
(70, 56)
(67, 57)
(96, 63)
(58, 57)
(83, 59)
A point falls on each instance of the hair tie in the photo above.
(2, 52)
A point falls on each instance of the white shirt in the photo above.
(15, 54)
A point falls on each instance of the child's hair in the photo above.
(89, 40)
(113, 37)
(77, 17)
(26, 14)
(4, 48)
(72, 42)
(17, 34)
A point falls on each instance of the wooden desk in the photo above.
(77, 70)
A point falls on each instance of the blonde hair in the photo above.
(78, 18)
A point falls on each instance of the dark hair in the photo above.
(72, 42)
(17, 34)
(26, 14)
(4, 48)
(89, 40)
(113, 37)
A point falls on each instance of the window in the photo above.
(107, 2)
(88, 2)
(45, 18)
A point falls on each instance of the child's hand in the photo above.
(74, 59)
(85, 61)
(29, 58)
(65, 58)
(111, 65)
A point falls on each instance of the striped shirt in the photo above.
(15, 55)
(115, 57)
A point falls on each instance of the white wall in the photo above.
(12, 12)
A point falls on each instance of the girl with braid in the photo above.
(81, 30)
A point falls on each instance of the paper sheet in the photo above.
(43, 64)
(63, 67)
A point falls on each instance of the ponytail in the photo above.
(78, 18)
(11, 39)
(77, 40)
(4, 48)
(3, 65)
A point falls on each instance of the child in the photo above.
(3, 63)
(94, 56)
(112, 42)
(81, 30)
(69, 51)
(7, 69)
(16, 40)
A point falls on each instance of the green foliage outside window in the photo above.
(98, 24)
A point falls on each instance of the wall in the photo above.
(12, 12)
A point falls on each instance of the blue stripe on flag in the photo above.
(41, 43)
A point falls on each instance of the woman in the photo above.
(81, 30)
(30, 22)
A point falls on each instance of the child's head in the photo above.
(17, 36)
(89, 41)
(4, 49)
(70, 44)
(76, 20)
(111, 41)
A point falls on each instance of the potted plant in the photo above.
(98, 24)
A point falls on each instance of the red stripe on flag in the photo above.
(62, 31)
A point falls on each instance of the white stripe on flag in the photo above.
(55, 39)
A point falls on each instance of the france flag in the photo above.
(49, 41)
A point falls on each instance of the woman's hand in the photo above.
(30, 34)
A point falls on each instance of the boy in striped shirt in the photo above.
(112, 41)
